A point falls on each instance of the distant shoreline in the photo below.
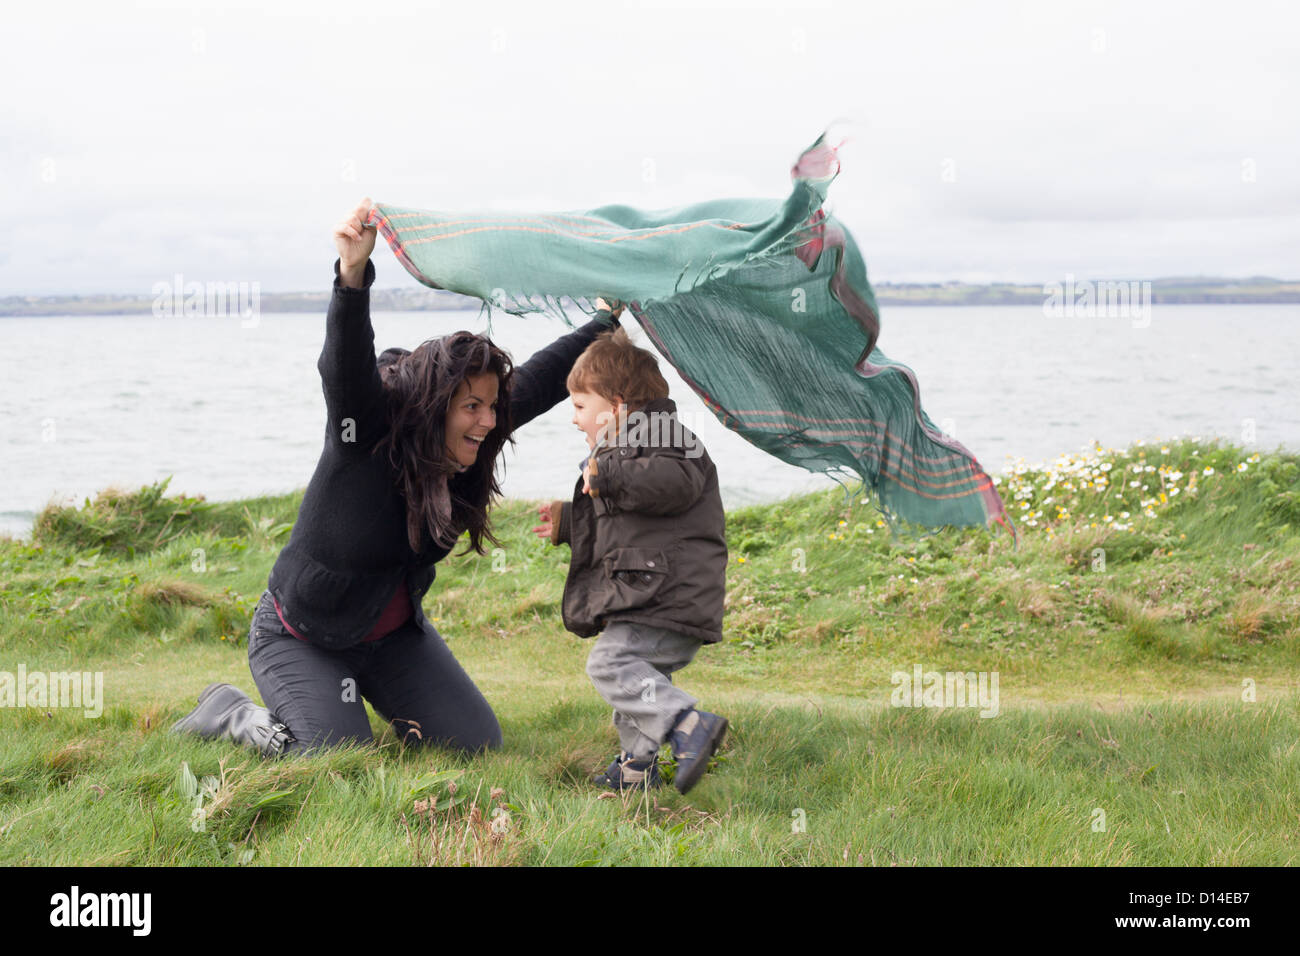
(1176, 291)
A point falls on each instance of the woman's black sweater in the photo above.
(349, 549)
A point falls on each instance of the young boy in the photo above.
(649, 560)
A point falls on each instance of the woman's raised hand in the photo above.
(355, 241)
(615, 307)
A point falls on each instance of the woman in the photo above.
(408, 465)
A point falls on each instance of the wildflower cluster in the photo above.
(1106, 487)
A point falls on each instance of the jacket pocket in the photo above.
(633, 578)
(331, 608)
(322, 589)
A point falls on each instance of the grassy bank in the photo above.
(1145, 635)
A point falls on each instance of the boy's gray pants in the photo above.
(630, 666)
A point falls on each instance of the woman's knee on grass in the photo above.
(468, 732)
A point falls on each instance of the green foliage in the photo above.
(808, 782)
(1122, 648)
(144, 521)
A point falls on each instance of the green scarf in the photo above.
(762, 306)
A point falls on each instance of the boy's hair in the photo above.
(612, 366)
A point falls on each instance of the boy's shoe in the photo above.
(694, 740)
(627, 774)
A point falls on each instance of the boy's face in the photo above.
(590, 413)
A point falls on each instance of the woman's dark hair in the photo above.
(419, 387)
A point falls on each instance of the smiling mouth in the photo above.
(476, 442)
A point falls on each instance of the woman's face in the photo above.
(471, 415)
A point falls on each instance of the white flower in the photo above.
(1241, 466)
(1208, 470)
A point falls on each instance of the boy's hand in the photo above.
(543, 530)
(586, 478)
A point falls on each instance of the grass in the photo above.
(1146, 642)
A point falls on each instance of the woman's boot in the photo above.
(225, 711)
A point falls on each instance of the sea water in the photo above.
(232, 409)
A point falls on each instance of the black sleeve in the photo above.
(538, 384)
(353, 393)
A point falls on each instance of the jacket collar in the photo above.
(660, 405)
(633, 432)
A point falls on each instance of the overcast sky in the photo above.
(986, 141)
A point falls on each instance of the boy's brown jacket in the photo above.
(649, 543)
